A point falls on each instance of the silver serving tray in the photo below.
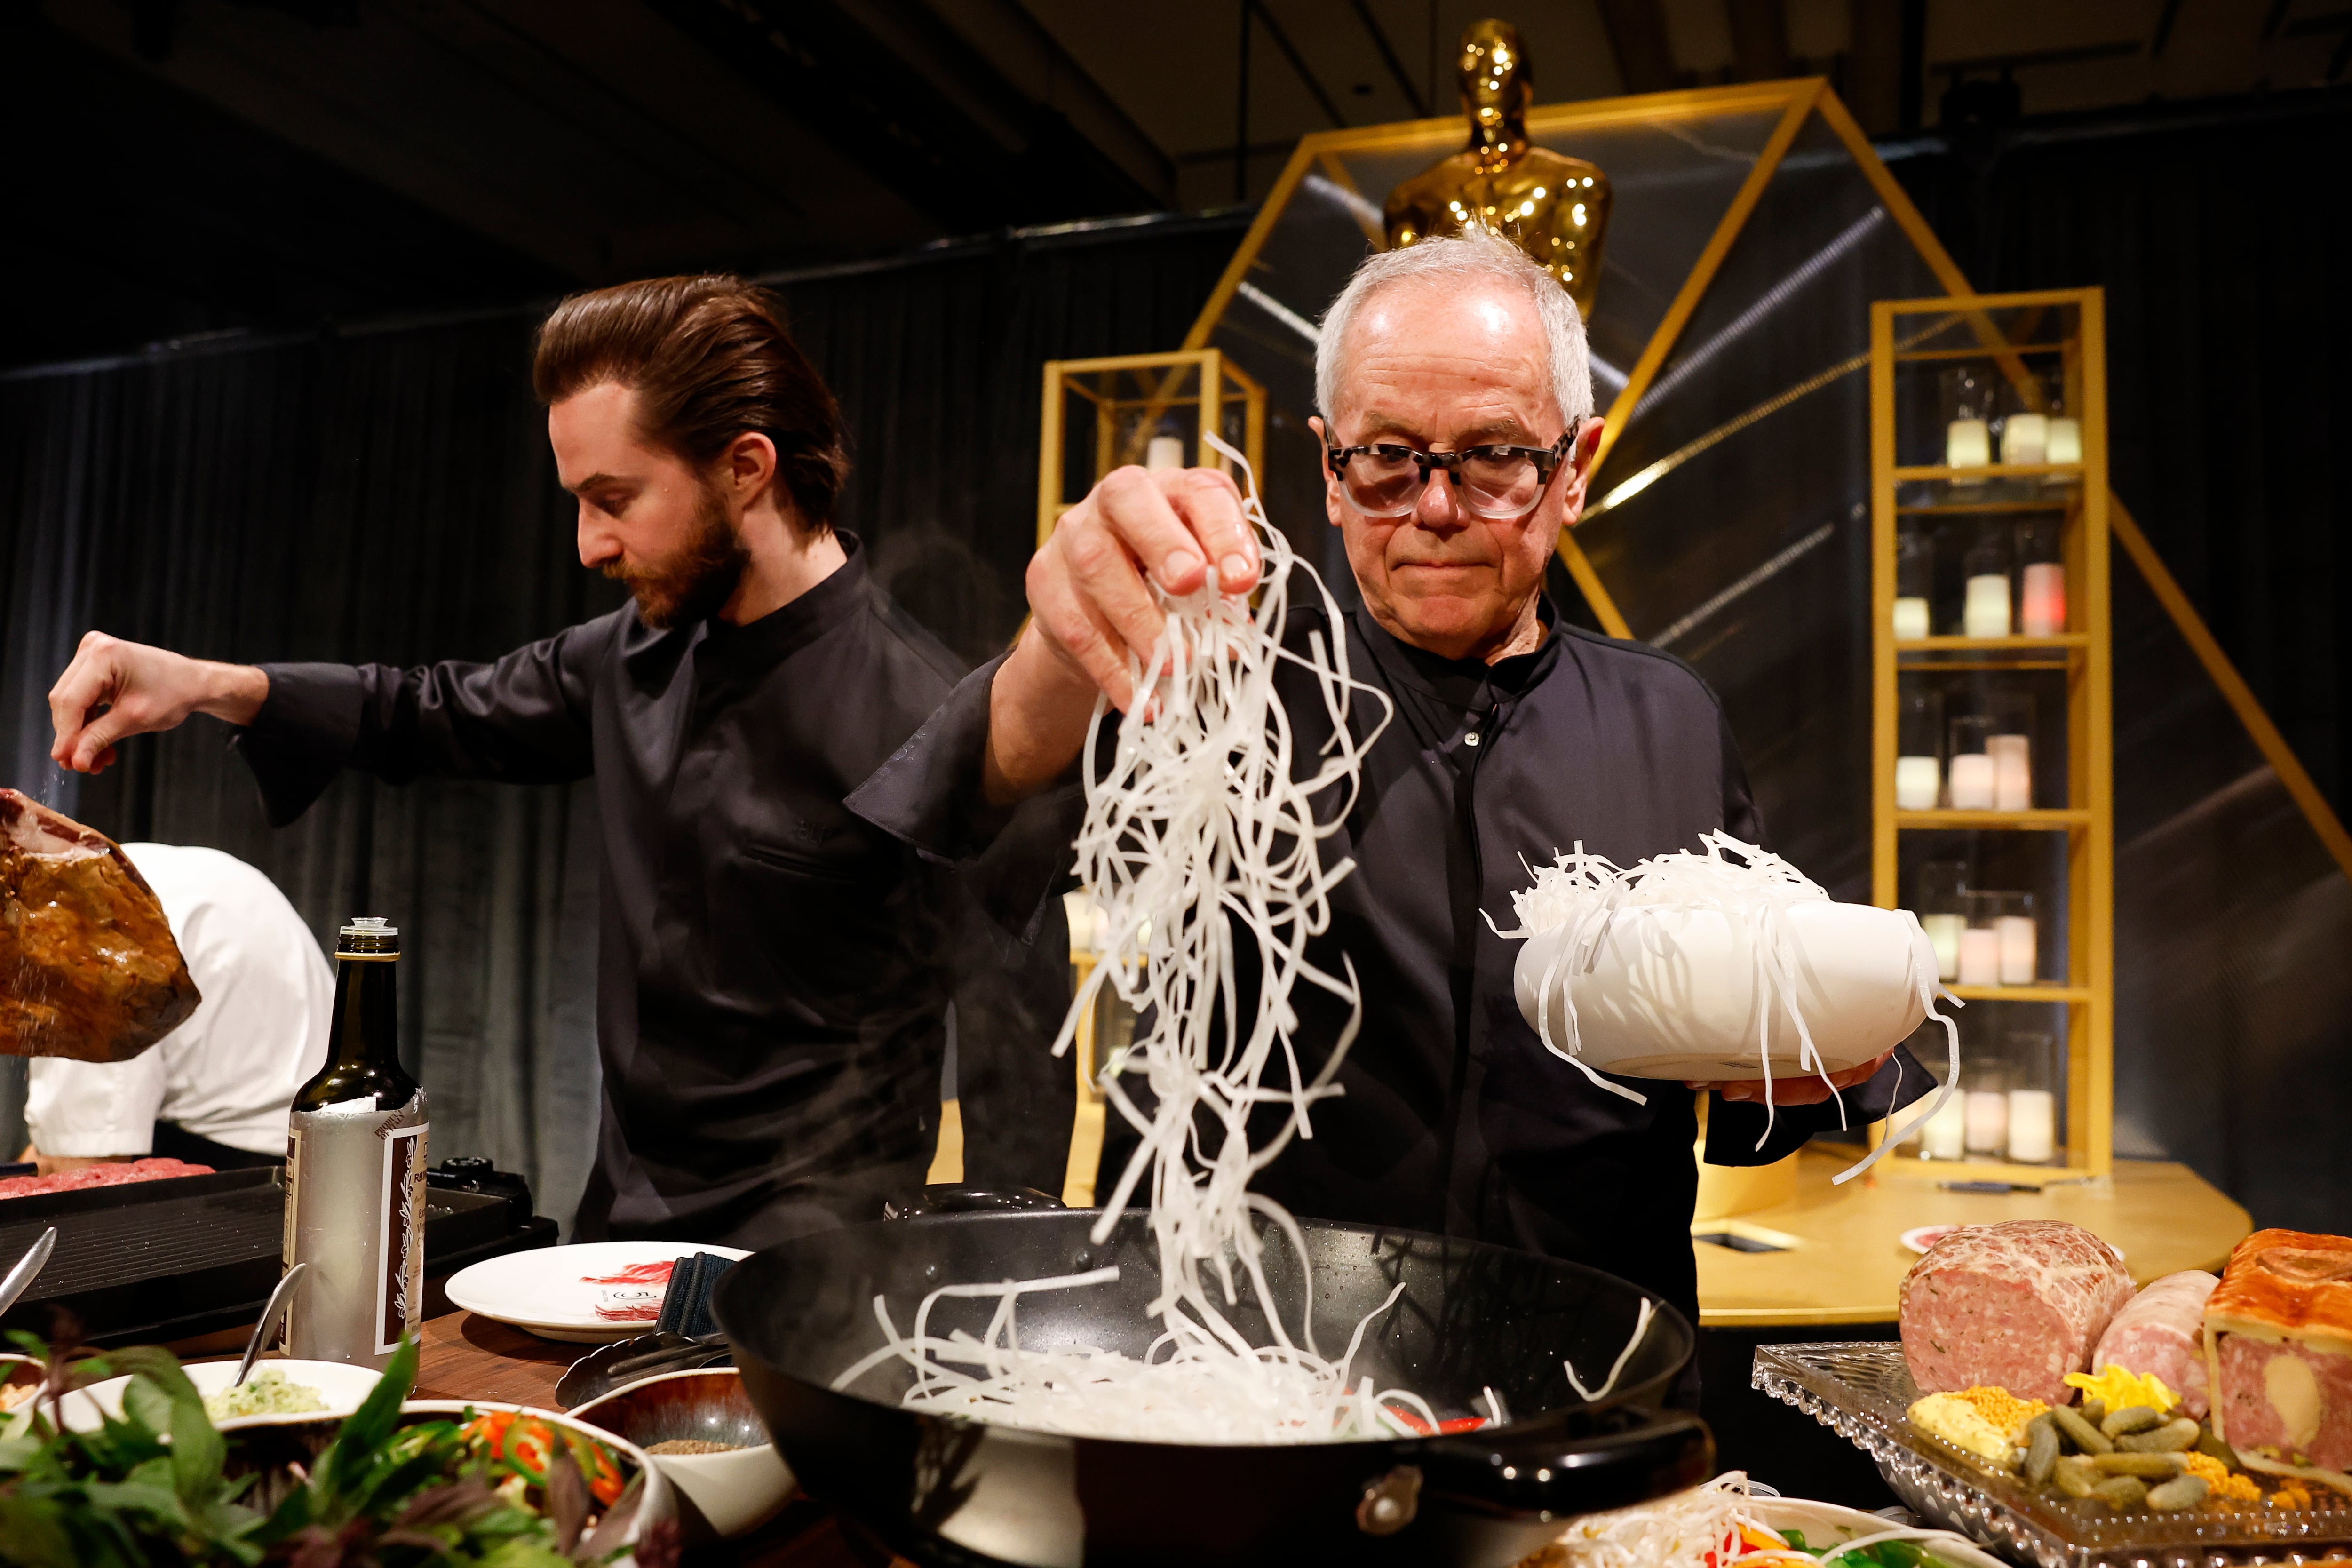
(1861, 1391)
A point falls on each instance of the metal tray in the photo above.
(1861, 1391)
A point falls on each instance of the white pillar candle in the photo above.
(1968, 444)
(1911, 618)
(2025, 438)
(1918, 782)
(1166, 452)
(2043, 613)
(1987, 1124)
(2012, 771)
(2066, 445)
(1985, 614)
(2018, 959)
(2033, 1125)
(1946, 1135)
(1979, 956)
(1972, 782)
(1944, 936)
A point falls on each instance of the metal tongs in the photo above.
(280, 1299)
(28, 1267)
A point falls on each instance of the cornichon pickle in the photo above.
(2182, 1492)
(2094, 1411)
(2129, 1419)
(2041, 1448)
(2122, 1493)
(2172, 1438)
(2078, 1475)
(2084, 1435)
(2149, 1467)
(2213, 1447)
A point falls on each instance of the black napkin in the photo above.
(685, 1308)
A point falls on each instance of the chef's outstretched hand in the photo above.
(1092, 608)
(114, 690)
(1807, 1091)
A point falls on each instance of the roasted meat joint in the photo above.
(88, 968)
(929, 805)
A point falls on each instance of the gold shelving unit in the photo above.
(1112, 408)
(2031, 348)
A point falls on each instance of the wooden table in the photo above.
(1845, 1260)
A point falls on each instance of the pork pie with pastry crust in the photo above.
(2278, 1342)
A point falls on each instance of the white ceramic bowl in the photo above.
(341, 1386)
(655, 1509)
(1827, 1524)
(721, 1495)
(1674, 993)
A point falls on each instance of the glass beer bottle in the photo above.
(355, 1170)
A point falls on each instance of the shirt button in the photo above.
(1471, 739)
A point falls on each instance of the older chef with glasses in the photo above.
(1458, 437)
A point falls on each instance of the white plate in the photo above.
(340, 1384)
(543, 1290)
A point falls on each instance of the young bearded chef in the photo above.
(774, 975)
(1458, 438)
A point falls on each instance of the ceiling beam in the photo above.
(1274, 29)
(1637, 36)
(1389, 57)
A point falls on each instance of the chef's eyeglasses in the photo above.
(1496, 482)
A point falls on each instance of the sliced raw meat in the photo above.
(88, 966)
(2161, 1332)
(631, 1295)
(2017, 1306)
(108, 1175)
(2280, 1328)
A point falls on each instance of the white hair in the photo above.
(1476, 255)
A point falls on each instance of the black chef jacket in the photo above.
(775, 973)
(1453, 1116)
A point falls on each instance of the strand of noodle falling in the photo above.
(1200, 842)
(1584, 892)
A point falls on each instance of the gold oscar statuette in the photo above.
(1553, 207)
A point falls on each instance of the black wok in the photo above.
(944, 1490)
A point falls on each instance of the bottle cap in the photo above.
(368, 936)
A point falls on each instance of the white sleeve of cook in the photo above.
(90, 1111)
(231, 1069)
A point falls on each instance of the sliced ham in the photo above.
(2161, 1332)
(2017, 1306)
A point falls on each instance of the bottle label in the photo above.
(402, 1245)
(293, 1191)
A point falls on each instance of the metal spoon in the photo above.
(280, 1299)
(26, 1268)
(626, 1360)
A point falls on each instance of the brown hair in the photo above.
(710, 359)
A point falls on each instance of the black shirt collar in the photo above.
(775, 637)
(1467, 684)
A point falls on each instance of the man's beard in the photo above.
(696, 580)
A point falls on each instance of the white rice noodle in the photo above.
(1201, 838)
(1575, 902)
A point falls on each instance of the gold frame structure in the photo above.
(1220, 382)
(2084, 652)
(1796, 99)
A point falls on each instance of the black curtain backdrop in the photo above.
(387, 494)
(2220, 233)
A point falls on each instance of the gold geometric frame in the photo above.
(1796, 99)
